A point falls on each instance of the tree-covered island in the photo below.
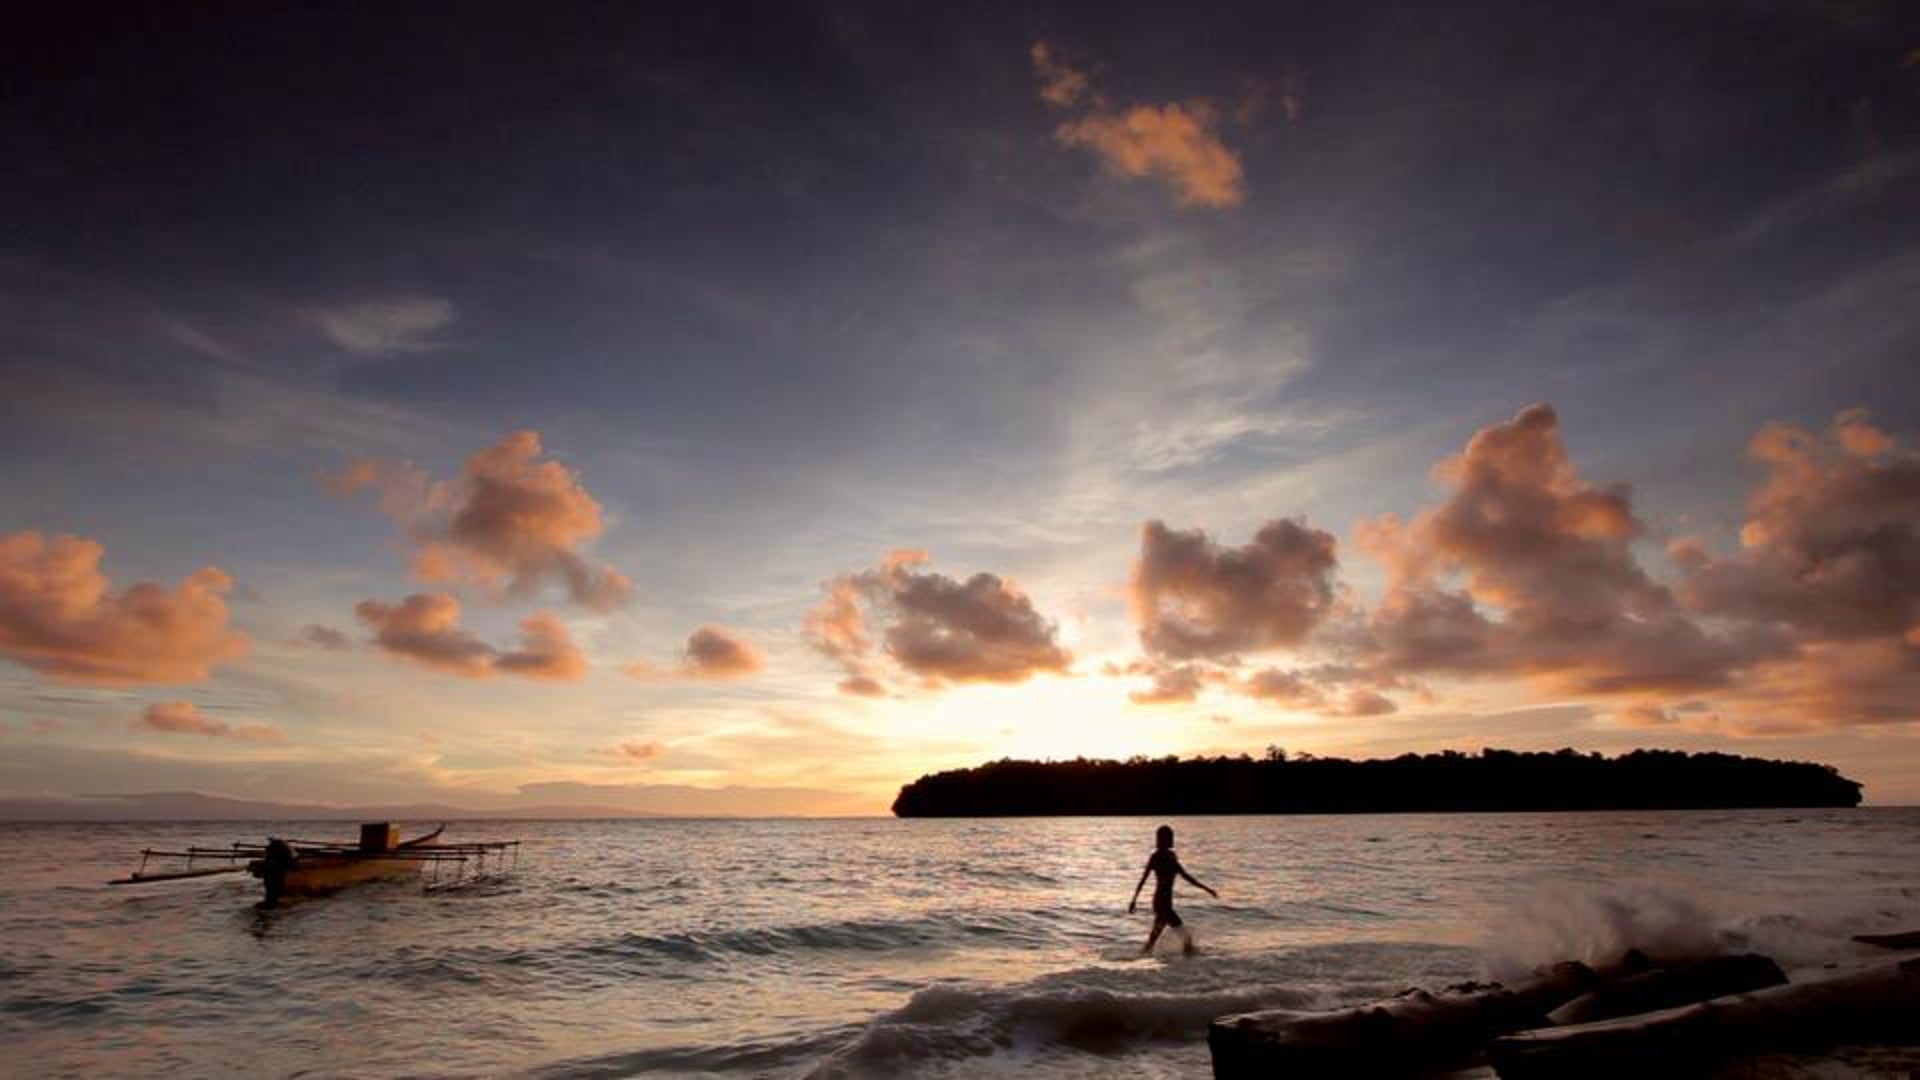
(1447, 781)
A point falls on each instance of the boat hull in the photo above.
(318, 875)
(288, 871)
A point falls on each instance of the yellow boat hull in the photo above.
(318, 875)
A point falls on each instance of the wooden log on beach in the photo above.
(1413, 1033)
(1906, 939)
(1666, 988)
(1879, 1003)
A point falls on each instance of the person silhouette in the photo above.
(1164, 865)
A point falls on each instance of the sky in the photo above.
(749, 408)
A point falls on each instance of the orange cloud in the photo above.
(1552, 590)
(716, 653)
(936, 628)
(1830, 556)
(1831, 544)
(183, 718)
(1527, 570)
(510, 523)
(1175, 143)
(1060, 84)
(1325, 690)
(636, 751)
(60, 617)
(1173, 684)
(1194, 599)
(546, 651)
(425, 629)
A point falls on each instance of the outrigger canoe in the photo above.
(288, 867)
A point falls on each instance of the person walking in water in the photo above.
(1164, 864)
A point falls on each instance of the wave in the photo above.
(948, 1022)
(1107, 1010)
(1078, 1017)
(846, 935)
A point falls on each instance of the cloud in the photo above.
(1831, 543)
(1175, 143)
(1549, 587)
(1193, 599)
(324, 637)
(1173, 684)
(546, 651)
(60, 617)
(1060, 84)
(716, 653)
(633, 752)
(382, 327)
(1812, 625)
(712, 653)
(183, 718)
(933, 627)
(1325, 690)
(861, 686)
(1830, 557)
(425, 629)
(510, 523)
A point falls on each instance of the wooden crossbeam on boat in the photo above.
(174, 875)
(293, 867)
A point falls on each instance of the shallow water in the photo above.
(878, 947)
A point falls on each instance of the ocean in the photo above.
(881, 947)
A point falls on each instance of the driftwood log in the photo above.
(1415, 1032)
(1666, 988)
(1877, 1003)
(1906, 939)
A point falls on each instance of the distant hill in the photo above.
(193, 806)
(1448, 781)
(540, 801)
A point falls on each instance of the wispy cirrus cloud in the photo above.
(185, 718)
(382, 327)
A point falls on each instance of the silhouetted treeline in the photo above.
(1449, 781)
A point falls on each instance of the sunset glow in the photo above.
(644, 431)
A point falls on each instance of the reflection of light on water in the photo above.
(757, 947)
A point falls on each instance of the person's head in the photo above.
(1163, 837)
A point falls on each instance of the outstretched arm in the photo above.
(1197, 883)
(1135, 902)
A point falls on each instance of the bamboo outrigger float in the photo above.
(288, 867)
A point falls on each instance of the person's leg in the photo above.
(1153, 935)
(1179, 925)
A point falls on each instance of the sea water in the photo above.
(879, 947)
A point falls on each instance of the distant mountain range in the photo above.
(193, 806)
